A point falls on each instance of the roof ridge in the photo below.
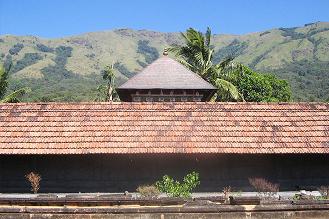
(165, 103)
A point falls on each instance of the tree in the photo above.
(254, 86)
(197, 54)
(14, 96)
(227, 73)
(258, 87)
(281, 90)
(234, 81)
(108, 90)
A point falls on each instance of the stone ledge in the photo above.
(226, 215)
(124, 209)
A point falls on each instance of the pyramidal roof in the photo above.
(166, 73)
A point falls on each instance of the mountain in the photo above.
(68, 69)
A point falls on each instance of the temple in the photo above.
(164, 125)
(166, 80)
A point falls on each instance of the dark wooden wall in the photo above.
(119, 173)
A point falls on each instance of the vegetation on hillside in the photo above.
(68, 69)
(59, 70)
(310, 79)
(43, 48)
(16, 49)
(27, 60)
(234, 49)
(150, 53)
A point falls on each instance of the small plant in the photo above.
(34, 180)
(296, 197)
(303, 195)
(149, 191)
(179, 189)
(227, 192)
(324, 191)
(237, 193)
(264, 187)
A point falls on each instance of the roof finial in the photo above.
(165, 52)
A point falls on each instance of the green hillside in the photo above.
(68, 69)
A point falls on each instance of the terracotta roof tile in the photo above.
(81, 128)
(166, 73)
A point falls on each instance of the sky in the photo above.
(59, 18)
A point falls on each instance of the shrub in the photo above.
(62, 53)
(179, 189)
(264, 187)
(149, 191)
(142, 64)
(290, 32)
(43, 48)
(234, 49)
(264, 33)
(58, 71)
(303, 195)
(324, 190)
(150, 53)
(227, 192)
(16, 49)
(34, 180)
(27, 60)
(123, 69)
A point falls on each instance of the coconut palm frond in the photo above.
(186, 64)
(197, 55)
(108, 73)
(15, 96)
(226, 62)
(231, 70)
(174, 49)
(227, 91)
(196, 51)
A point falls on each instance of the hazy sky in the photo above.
(57, 18)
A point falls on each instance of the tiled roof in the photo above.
(82, 128)
(166, 73)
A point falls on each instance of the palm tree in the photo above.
(14, 96)
(109, 76)
(197, 54)
(227, 74)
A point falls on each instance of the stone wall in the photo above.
(119, 173)
(308, 214)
